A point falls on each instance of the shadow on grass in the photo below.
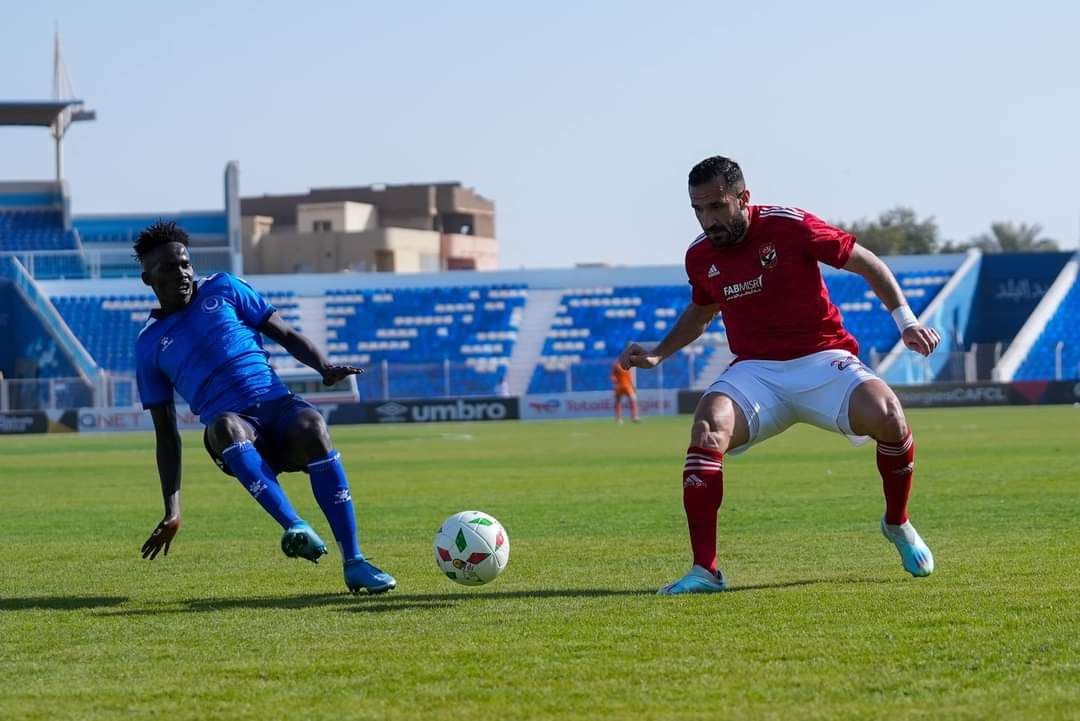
(770, 586)
(60, 603)
(396, 602)
(364, 603)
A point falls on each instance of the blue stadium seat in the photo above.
(416, 331)
(866, 318)
(594, 325)
(42, 230)
(433, 340)
(460, 339)
(1041, 361)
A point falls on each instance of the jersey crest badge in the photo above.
(767, 255)
(211, 304)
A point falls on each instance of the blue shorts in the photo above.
(270, 420)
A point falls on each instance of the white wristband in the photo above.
(904, 318)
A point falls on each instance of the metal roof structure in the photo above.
(56, 114)
(42, 113)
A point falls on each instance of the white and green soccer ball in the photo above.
(472, 548)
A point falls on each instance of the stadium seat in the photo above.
(42, 230)
(434, 341)
(1062, 328)
(593, 325)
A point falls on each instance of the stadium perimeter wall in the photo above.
(597, 404)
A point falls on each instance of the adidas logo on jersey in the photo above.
(713, 272)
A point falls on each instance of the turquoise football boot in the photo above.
(361, 575)
(914, 553)
(301, 541)
(699, 580)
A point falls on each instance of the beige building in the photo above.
(391, 228)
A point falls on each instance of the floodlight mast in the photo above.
(62, 91)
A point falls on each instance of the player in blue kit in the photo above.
(204, 343)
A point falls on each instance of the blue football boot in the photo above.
(699, 580)
(914, 553)
(361, 575)
(301, 541)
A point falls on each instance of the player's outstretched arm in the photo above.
(915, 335)
(300, 347)
(688, 328)
(168, 464)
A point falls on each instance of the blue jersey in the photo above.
(209, 351)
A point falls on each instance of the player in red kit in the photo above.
(794, 361)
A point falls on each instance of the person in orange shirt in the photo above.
(623, 382)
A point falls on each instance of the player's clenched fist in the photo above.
(636, 356)
(921, 339)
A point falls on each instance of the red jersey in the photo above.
(769, 287)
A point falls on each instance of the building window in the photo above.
(320, 226)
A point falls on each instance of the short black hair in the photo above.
(160, 233)
(718, 167)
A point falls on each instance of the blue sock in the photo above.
(331, 490)
(258, 478)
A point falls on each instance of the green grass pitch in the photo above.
(822, 623)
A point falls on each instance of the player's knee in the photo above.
(711, 434)
(227, 429)
(310, 431)
(893, 426)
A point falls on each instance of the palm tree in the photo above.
(1012, 238)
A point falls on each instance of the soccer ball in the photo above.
(471, 548)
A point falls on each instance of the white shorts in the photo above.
(774, 395)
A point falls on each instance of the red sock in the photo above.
(703, 492)
(896, 463)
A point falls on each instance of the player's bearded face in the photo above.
(723, 215)
(722, 234)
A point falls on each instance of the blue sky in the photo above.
(579, 119)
